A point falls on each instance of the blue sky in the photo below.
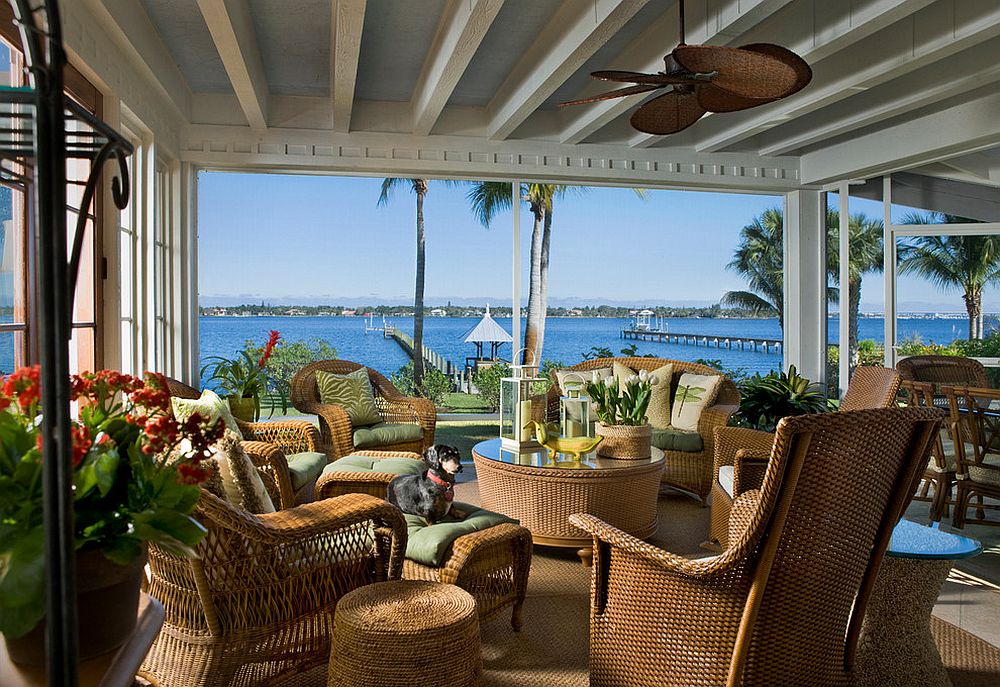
(283, 238)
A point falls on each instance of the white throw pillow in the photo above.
(694, 394)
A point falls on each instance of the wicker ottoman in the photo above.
(405, 632)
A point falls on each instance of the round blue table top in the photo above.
(913, 540)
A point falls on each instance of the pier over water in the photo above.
(749, 343)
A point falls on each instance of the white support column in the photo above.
(805, 285)
(189, 274)
(844, 190)
(888, 273)
(515, 323)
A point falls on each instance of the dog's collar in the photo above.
(449, 492)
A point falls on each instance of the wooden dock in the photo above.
(750, 343)
(431, 358)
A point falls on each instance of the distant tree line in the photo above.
(261, 310)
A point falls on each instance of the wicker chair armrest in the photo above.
(293, 436)
(335, 427)
(715, 416)
(270, 459)
(382, 455)
(670, 562)
(730, 440)
(749, 468)
(507, 535)
(333, 484)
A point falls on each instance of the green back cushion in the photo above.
(209, 406)
(394, 466)
(430, 544)
(671, 439)
(384, 434)
(352, 392)
(304, 468)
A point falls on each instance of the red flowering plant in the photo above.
(247, 376)
(136, 472)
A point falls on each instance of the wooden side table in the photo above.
(896, 647)
(116, 669)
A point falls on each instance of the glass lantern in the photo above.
(574, 412)
(516, 405)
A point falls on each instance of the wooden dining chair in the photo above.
(975, 429)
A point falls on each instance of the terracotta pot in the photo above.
(107, 599)
(244, 409)
(624, 441)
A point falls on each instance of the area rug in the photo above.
(552, 648)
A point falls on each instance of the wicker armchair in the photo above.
(268, 444)
(870, 387)
(975, 427)
(939, 475)
(255, 607)
(688, 471)
(943, 369)
(335, 425)
(783, 604)
(491, 564)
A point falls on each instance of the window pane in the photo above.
(11, 351)
(128, 346)
(81, 350)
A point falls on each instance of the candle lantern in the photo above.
(574, 410)
(517, 406)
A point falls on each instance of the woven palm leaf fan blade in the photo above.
(667, 114)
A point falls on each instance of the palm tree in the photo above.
(487, 198)
(965, 262)
(759, 258)
(419, 188)
(865, 240)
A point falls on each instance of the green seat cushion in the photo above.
(394, 466)
(430, 544)
(304, 468)
(671, 439)
(386, 433)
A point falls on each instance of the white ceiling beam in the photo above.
(833, 27)
(575, 33)
(962, 129)
(939, 81)
(717, 26)
(463, 26)
(132, 30)
(232, 30)
(346, 26)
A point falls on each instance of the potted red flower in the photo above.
(245, 381)
(136, 474)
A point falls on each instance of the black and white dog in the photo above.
(430, 494)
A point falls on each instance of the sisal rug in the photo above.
(552, 648)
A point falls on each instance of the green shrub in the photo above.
(435, 384)
(291, 356)
(487, 381)
(765, 400)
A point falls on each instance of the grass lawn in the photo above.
(463, 435)
(464, 403)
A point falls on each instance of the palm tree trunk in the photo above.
(974, 307)
(531, 329)
(543, 287)
(418, 296)
(854, 306)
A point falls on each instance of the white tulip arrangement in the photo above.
(622, 406)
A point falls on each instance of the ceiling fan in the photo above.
(707, 78)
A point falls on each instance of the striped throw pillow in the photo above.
(352, 392)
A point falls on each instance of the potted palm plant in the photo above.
(765, 400)
(245, 381)
(136, 471)
(621, 415)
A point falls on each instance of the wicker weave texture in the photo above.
(774, 607)
(691, 472)
(406, 633)
(254, 607)
(943, 369)
(335, 425)
(871, 386)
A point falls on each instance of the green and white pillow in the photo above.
(210, 406)
(694, 394)
(658, 412)
(353, 392)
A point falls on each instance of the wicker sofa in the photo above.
(334, 423)
(690, 471)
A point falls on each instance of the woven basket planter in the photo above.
(624, 441)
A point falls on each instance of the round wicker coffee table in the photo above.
(542, 494)
(403, 633)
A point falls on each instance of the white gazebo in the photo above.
(488, 331)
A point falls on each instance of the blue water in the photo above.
(566, 339)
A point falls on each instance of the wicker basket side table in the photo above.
(403, 633)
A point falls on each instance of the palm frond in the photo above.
(388, 186)
(748, 301)
(487, 198)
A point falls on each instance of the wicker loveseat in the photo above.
(394, 408)
(690, 471)
(287, 452)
